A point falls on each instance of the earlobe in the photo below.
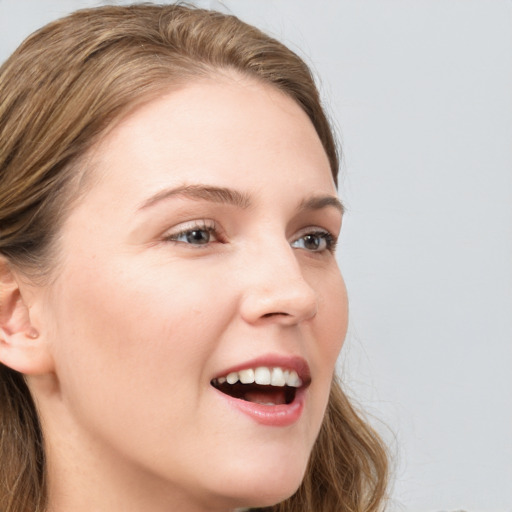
(22, 347)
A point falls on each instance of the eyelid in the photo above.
(203, 224)
(313, 229)
(332, 239)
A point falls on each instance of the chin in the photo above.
(266, 485)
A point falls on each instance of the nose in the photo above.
(276, 289)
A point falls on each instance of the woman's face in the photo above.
(202, 253)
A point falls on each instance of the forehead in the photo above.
(221, 131)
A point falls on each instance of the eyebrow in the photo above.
(201, 192)
(234, 197)
(319, 202)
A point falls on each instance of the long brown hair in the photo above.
(59, 92)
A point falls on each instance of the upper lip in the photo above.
(287, 362)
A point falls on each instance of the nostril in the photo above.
(269, 315)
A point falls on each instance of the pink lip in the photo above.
(272, 415)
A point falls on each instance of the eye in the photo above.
(315, 241)
(194, 233)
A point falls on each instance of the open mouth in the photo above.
(261, 385)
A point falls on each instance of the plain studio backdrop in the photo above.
(421, 94)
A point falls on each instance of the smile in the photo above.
(262, 385)
(271, 389)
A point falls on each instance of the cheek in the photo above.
(332, 318)
(330, 331)
(143, 334)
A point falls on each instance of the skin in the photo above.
(138, 321)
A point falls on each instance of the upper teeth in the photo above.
(264, 376)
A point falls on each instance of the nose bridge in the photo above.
(277, 287)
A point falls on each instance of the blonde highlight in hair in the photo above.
(59, 92)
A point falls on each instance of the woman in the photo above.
(171, 308)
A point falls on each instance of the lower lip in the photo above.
(281, 415)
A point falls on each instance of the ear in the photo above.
(22, 347)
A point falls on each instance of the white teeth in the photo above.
(294, 380)
(263, 376)
(232, 377)
(278, 378)
(246, 376)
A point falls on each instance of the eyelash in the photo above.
(327, 237)
(211, 228)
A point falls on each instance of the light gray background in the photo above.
(421, 93)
